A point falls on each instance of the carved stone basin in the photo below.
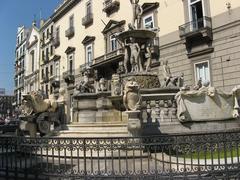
(145, 80)
(137, 34)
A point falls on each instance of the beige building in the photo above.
(32, 60)
(199, 38)
(49, 61)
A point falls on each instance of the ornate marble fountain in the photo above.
(148, 106)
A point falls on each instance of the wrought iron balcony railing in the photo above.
(88, 19)
(109, 55)
(56, 41)
(69, 77)
(70, 32)
(194, 26)
(110, 6)
(45, 78)
(55, 81)
(45, 58)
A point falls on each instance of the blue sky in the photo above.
(14, 13)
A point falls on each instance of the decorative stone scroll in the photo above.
(207, 104)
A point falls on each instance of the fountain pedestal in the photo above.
(134, 123)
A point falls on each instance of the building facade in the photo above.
(20, 59)
(199, 38)
(49, 61)
(6, 108)
(32, 60)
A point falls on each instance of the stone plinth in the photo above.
(85, 108)
(134, 123)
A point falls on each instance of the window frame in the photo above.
(195, 70)
(190, 9)
(113, 39)
(71, 21)
(86, 53)
(70, 58)
(147, 16)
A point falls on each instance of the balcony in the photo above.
(202, 27)
(109, 57)
(85, 66)
(55, 82)
(45, 59)
(110, 6)
(197, 35)
(45, 78)
(87, 20)
(56, 41)
(69, 77)
(70, 32)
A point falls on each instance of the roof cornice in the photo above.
(63, 9)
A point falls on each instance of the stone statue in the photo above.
(132, 98)
(102, 85)
(116, 87)
(134, 58)
(35, 103)
(61, 98)
(85, 86)
(148, 57)
(198, 85)
(170, 80)
(137, 13)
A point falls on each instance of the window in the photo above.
(43, 55)
(47, 89)
(89, 7)
(21, 36)
(47, 33)
(71, 21)
(89, 54)
(70, 63)
(47, 53)
(51, 50)
(21, 51)
(51, 70)
(24, 49)
(57, 32)
(43, 36)
(32, 58)
(196, 14)
(46, 71)
(42, 73)
(51, 33)
(51, 89)
(113, 42)
(202, 71)
(57, 69)
(148, 21)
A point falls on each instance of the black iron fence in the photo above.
(210, 156)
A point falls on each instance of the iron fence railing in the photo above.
(199, 156)
(88, 19)
(192, 26)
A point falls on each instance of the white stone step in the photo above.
(105, 129)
